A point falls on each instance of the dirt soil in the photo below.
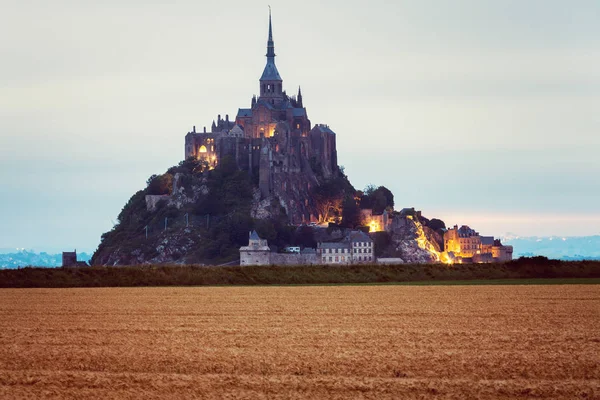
(368, 342)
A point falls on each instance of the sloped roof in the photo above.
(244, 112)
(487, 240)
(334, 245)
(324, 129)
(270, 72)
(359, 236)
(254, 236)
(298, 112)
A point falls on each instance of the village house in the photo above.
(467, 245)
(357, 247)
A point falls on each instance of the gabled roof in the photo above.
(265, 103)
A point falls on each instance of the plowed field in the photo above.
(378, 342)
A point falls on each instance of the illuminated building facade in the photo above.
(466, 243)
(375, 222)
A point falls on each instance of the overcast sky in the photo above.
(484, 113)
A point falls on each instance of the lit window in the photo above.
(202, 149)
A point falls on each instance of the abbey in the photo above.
(273, 139)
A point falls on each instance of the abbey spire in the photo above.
(270, 43)
(270, 81)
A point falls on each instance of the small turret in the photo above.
(213, 128)
(300, 97)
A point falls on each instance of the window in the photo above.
(330, 258)
(202, 149)
(337, 259)
(324, 259)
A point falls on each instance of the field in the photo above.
(378, 342)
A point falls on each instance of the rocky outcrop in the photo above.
(183, 195)
(152, 200)
(412, 242)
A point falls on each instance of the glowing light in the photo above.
(202, 149)
(374, 226)
(425, 244)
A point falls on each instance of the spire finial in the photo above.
(270, 44)
(270, 26)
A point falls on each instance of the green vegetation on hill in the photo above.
(208, 217)
(534, 268)
(226, 205)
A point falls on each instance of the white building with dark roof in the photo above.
(257, 252)
(357, 247)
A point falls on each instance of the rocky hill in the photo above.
(193, 214)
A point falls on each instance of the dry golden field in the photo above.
(377, 342)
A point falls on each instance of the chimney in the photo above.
(204, 129)
(194, 128)
(226, 117)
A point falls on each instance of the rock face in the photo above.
(152, 200)
(412, 242)
(168, 248)
(183, 196)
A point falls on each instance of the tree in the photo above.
(160, 184)
(377, 199)
(350, 212)
(328, 199)
(304, 237)
(381, 241)
(436, 224)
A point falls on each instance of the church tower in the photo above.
(271, 89)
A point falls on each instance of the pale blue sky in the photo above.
(484, 113)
